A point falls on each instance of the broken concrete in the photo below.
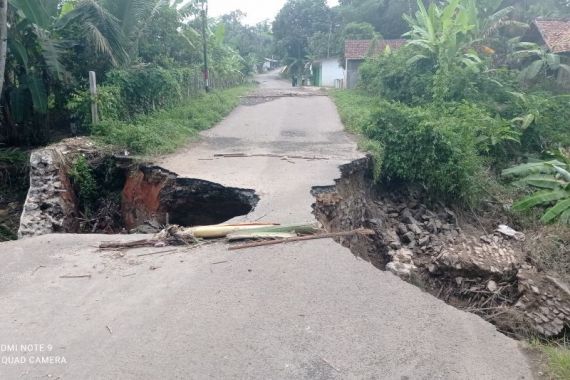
(458, 262)
(153, 193)
(149, 195)
(51, 204)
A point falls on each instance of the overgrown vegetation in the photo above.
(13, 188)
(165, 130)
(456, 106)
(556, 356)
(147, 54)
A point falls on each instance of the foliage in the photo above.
(253, 43)
(145, 49)
(390, 77)
(84, 182)
(356, 109)
(547, 128)
(296, 22)
(384, 15)
(166, 130)
(557, 357)
(438, 148)
(552, 180)
(540, 63)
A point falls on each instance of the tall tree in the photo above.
(296, 22)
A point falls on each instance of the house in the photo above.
(327, 72)
(356, 51)
(270, 64)
(553, 34)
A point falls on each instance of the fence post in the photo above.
(93, 92)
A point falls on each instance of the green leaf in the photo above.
(532, 70)
(565, 218)
(38, 92)
(531, 168)
(543, 182)
(34, 10)
(19, 51)
(540, 198)
(563, 173)
(525, 121)
(556, 211)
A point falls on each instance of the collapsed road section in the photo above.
(76, 188)
(449, 256)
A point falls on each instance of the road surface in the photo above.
(301, 311)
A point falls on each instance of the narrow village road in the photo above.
(301, 311)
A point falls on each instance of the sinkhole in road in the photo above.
(154, 194)
(115, 194)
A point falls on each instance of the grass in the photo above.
(167, 130)
(556, 357)
(355, 109)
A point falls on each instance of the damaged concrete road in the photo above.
(306, 310)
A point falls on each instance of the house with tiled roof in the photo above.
(356, 51)
(553, 34)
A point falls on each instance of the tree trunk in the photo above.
(3, 40)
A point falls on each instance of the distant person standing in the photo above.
(295, 80)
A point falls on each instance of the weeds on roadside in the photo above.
(556, 356)
(165, 131)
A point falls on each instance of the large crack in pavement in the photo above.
(450, 256)
(296, 311)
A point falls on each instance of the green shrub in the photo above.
(166, 130)
(429, 147)
(391, 77)
(355, 108)
(109, 101)
(550, 128)
(146, 89)
(82, 177)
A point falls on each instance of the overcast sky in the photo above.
(257, 10)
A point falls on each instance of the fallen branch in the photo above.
(130, 244)
(362, 232)
(80, 276)
(244, 155)
(156, 253)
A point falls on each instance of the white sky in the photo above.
(257, 10)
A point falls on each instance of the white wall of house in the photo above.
(331, 70)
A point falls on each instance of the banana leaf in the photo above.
(565, 218)
(533, 168)
(542, 181)
(556, 211)
(540, 198)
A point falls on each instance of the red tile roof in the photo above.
(360, 49)
(556, 34)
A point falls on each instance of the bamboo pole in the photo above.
(362, 232)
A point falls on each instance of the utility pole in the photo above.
(205, 43)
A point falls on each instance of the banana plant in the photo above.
(542, 62)
(443, 33)
(551, 180)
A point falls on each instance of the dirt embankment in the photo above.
(450, 255)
